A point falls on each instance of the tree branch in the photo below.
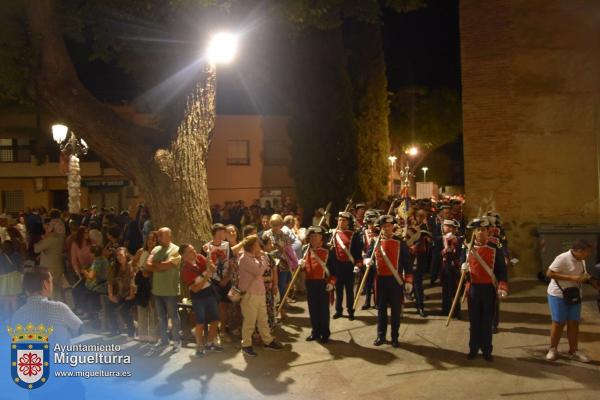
(119, 141)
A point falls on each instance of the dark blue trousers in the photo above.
(345, 282)
(389, 293)
(482, 302)
(450, 277)
(418, 270)
(318, 307)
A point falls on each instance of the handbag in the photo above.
(571, 295)
(235, 294)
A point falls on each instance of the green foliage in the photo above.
(367, 71)
(322, 127)
(16, 58)
(425, 117)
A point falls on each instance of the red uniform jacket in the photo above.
(314, 270)
(347, 237)
(494, 258)
(398, 255)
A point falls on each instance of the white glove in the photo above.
(408, 287)
(302, 264)
(502, 293)
(366, 261)
(329, 287)
(464, 267)
(356, 269)
(449, 235)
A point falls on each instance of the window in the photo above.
(275, 152)
(238, 152)
(13, 201)
(15, 150)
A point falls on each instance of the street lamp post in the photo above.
(406, 173)
(424, 169)
(392, 159)
(71, 148)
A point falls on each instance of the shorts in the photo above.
(206, 309)
(562, 312)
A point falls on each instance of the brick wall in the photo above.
(531, 114)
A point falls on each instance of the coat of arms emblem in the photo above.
(30, 355)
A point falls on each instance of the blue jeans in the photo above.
(166, 307)
(283, 280)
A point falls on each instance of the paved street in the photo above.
(430, 363)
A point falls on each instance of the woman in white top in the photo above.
(567, 271)
(146, 311)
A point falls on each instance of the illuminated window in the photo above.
(238, 152)
(15, 150)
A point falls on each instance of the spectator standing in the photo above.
(254, 306)
(80, 256)
(567, 273)
(146, 309)
(51, 255)
(21, 227)
(11, 268)
(163, 262)
(121, 293)
(96, 284)
(218, 250)
(196, 273)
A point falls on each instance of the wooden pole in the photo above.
(368, 267)
(297, 271)
(463, 275)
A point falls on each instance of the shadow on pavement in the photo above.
(263, 372)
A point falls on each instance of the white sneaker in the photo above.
(579, 356)
(552, 354)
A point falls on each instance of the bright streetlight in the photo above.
(222, 48)
(392, 159)
(424, 169)
(412, 151)
(59, 133)
(71, 148)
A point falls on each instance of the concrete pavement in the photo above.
(430, 363)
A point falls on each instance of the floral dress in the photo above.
(270, 296)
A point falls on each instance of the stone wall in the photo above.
(531, 114)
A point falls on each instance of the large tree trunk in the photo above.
(322, 126)
(366, 66)
(169, 169)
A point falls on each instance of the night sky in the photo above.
(421, 48)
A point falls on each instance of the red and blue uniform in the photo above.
(388, 290)
(344, 266)
(483, 294)
(317, 296)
